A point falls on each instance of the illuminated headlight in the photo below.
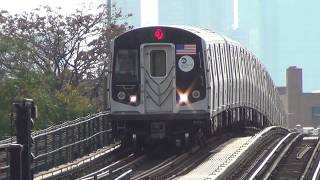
(183, 99)
(133, 98)
(121, 95)
(195, 94)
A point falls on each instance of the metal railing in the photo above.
(65, 142)
(79, 165)
(51, 128)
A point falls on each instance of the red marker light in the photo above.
(158, 34)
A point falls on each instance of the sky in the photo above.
(19, 6)
(297, 20)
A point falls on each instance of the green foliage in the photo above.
(73, 103)
(53, 106)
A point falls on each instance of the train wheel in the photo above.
(138, 143)
(187, 141)
(200, 138)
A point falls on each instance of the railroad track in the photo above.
(116, 169)
(257, 150)
(64, 143)
(168, 167)
(149, 167)
(177, 165)
(312, 170)
(294, 162)
(145, 167)
(263, 168)
(290, 157)
(86, 164)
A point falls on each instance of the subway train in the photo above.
(179, 83)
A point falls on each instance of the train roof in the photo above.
(203, 33)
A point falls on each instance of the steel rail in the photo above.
(124, 175)
(310, 162)
(75, 165)
(316, 172)
(281, 156)
(156, 168)
(253, 176)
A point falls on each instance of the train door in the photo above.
(158, 77)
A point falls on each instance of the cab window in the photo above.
(126, 66)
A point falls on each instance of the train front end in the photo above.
(158, 86)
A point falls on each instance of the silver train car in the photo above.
(176, 82)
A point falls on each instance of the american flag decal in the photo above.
(186, 49)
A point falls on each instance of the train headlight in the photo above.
(121, 95)
(133, 98)
(195, 94)
(183, 99)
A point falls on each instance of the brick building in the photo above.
(302, 108)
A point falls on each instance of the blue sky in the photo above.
(281, 33)
(298, 37)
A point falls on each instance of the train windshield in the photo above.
(126, 66)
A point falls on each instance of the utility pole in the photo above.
(109, 11)
(15, 159)
(106, 75)
(25, 112)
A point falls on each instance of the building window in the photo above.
(316, 113)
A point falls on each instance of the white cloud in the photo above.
(149, 12)
(235, 14)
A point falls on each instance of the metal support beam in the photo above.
(15, 159)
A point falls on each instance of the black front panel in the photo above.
(190, 78)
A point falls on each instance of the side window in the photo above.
(224, 73)
(158, 63)
(245, 75)
(260, 70)
(316, 113)
(229, 69)
(237, 64)
(209, 74)
(258, 83)
(254, 81)
(219, 74)
(242, 78)
(232, 69)
(215, 76)
(250, 73)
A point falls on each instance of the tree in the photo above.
(58, 60)
(70, 48)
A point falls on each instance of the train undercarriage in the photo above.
(182, 131)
